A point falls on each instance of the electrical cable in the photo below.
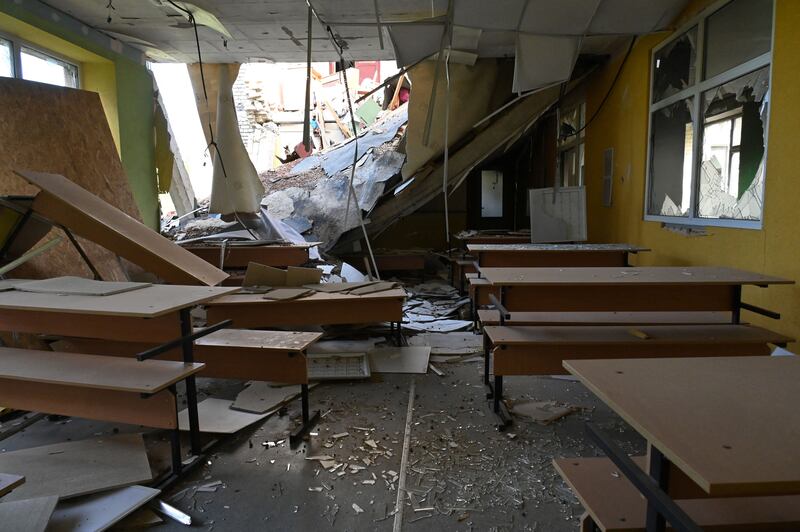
(212, 140)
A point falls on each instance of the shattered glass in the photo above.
(672, 137)
(674, 66)
(734, 148)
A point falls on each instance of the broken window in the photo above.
(6, 61)
(570, 146)
(707, 151)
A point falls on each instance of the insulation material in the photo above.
(543, 60)
(472, 88)
(412, 43)
(53, 129)
(235, 184)
(567, 17)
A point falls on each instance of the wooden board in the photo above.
(544, 248)
(157, 410)
(552, 259)
(264, 340)
(217, 416)
(9, 482)
(28, 515)
(69, 285)
(616, 506)
(642, 276)
(617, 335)
(77, 468)
(730, 424)
(252, 311)
(241, 256)
(89, 216)
(149, 302)
(492, 317)
(92, 371)
(100, 511)
(46, 128)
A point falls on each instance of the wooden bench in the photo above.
(540, 350)
(241, 354)
(95, 387)
(613, 504)
(489, 317)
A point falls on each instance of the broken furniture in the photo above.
(540, 350)
(97, 387)
(692, 412)
(252, 311)
(67, 205)
(237, 255)
(270, 356)
(160, 313)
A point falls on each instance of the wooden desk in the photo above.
(730, 423)
(495, 238)
(238, 256)
(625, 289)
(252, 311)
(552, 255)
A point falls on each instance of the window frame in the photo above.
(696, 92)
(18, 44)
(574, 142)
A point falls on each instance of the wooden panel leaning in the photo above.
(91, 386)
(613, 504)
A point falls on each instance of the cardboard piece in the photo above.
(28, 515)
(400, 359)
(100, 511)
(263, 397)
(284, 294)
(299, 276)
(69, 285)
(336, 287)
(261, 275)
(78, 468)
(217, 416)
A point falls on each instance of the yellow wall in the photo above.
(97, 73)
(622, 125)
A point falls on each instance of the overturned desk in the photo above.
(253, 311)
(716, 427)
(641, 289)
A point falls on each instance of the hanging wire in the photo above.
(212, 141)
(352, 193)
(446, 169)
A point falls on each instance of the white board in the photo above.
(562, 220)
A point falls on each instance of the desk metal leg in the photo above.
(659, 470)
(308, 420)
(486, 354)
(736, 313)
(175, 437)
(499, 407)
(191, 385)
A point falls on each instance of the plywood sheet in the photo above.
(400, 359)
(244, 299)
(77, 468)
(28, 515)
(262, 275)
(92, 371)
(79, 286)
(64, 131)
(267, 340)
(217, 416)
(299, 276)
(284, 294)
(642, 276)
(100, 511)
(89, 216)
(729, 423)
(148, 302)
(9, 482)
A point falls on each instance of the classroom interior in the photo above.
(369, 265)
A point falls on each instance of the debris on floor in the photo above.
(543, 412)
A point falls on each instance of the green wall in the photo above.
(134, 96)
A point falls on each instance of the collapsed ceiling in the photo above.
(276, 30)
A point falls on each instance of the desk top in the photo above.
(522, 248)
(730, 423)
(317, 297)
(148, 302)
(648, 275)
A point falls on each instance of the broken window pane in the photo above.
(674, 66)
(572, 124)
(572, 166)
(672, 135)
(6, 64)
(734, 148)
(740, 31)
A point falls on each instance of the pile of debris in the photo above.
(436, 306)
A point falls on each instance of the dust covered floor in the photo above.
(462, 474)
